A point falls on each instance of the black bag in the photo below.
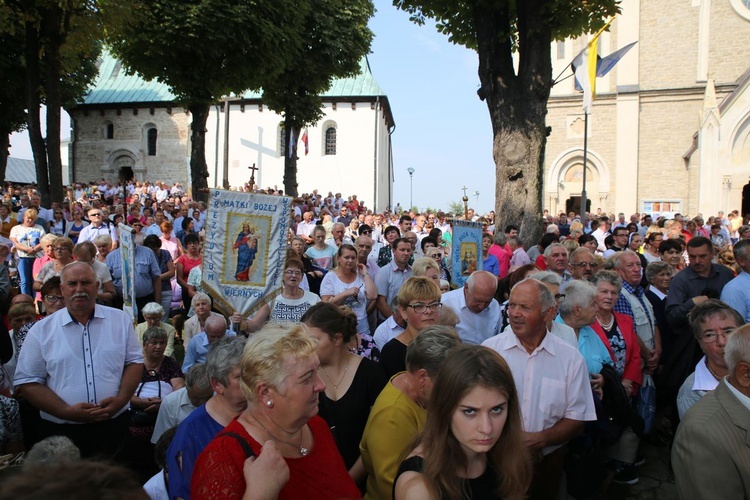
(141, 418)
(616, 409)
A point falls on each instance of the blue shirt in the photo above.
(736, 294)
(491, 264)
(198, 348)
(592, 349)
(146, 269)
(192, 436)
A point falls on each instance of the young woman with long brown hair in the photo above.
(472, 444)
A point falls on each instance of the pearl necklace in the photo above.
(302, 450)
(608, 326)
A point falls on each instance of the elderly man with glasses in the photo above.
(98, 227)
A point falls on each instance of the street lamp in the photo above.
(411, 187)
(476, 194)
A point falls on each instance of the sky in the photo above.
(443, 130)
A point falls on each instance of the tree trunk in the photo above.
(4, 145)
(290, 161)
(198, 167)
(33, 105)
(517, 105)
(54, 35)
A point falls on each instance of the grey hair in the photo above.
(153, 309)
(448, 317)
(430, 348)
(49, 237)
(737, 348)
(547, 277)
(706, 309)
(338, 224)
(551, 247)
(200, 296)
(654, 269)
(499, 238)
(613, 262)
(103, 239)
(197, 377)
(516, 241)
(155, 332)
(610, 277)
(50, 451)
(224, 356)
(547, 299)
(577, 293)
(743, 228)
(740, 249)
(215, 321)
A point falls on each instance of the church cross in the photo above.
(260, 148)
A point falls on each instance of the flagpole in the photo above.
(585, 152)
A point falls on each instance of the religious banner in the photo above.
(127, 249)
(245, 249)
(466, 253)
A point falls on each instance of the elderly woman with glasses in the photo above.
(63, 255)
(294, 453)
(288, 306)
(153, 313)
(161, 375)
(419, 305)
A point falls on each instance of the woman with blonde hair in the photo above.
(27, 241)
(294, 453)
(425, 266)
(472, 444)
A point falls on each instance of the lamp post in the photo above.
(411, 187)
(476, 194)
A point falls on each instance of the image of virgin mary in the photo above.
(246, 246)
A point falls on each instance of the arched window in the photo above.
(281, 143)
(330, 148)
(110, 131)
(151, 135)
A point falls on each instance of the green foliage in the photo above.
(205, 49)
(456, 207)
(12, 80)
(335, 37)
(563, 18)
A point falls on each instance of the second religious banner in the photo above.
(245, 248)
(466, 254)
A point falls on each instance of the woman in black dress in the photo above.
(353, 383)
(472, 445)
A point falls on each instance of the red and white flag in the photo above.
(306, 142)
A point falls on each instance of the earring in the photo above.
(269, 403)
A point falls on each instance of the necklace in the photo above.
(336, 386)
(712, 372)
(302, 450)
(608, 326)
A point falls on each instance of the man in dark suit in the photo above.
(711, 451)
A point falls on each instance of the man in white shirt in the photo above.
(476, 307)
(305, 228)
(177, 405)
(551, 379)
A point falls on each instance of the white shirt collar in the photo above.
(704, 381)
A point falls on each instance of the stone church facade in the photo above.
(670, 127)
(130, 128)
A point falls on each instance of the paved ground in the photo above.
(656, 478)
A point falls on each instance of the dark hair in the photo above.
(708, 308)
(332, 320)
(294, 262)
(404, 218)
(632, 227)
(650, 237)
(391, 229)
(699, 241)
(436, 233)
(547, 240)
(397, 241)
(363, 227)
(152, 241)
(473, 366)
(427, 239)
(50, 285)
(190, 238)
(671, 244)
(510, 227)
(186, 222)
(618, 229)
(585, 238)
(162, 445)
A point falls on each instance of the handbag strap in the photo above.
(140, 387)
(244, 444)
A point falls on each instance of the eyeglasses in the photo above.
(581, 265)
(99, 214)
(420, 308)
(365, 232)
(60, 249)
(559, 296)
(52, 298)
(293, 273)
(710, 336)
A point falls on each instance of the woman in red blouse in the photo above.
(279, 447)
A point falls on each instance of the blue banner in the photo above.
(466, 253)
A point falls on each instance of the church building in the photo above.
(670, 126)
(128, 128)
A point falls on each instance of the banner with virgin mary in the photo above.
(466, 252)
(245, 248)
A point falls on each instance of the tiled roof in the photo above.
(114, 86)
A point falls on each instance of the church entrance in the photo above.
(573, 204)
(125, 174)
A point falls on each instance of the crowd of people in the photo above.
(371, 374)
